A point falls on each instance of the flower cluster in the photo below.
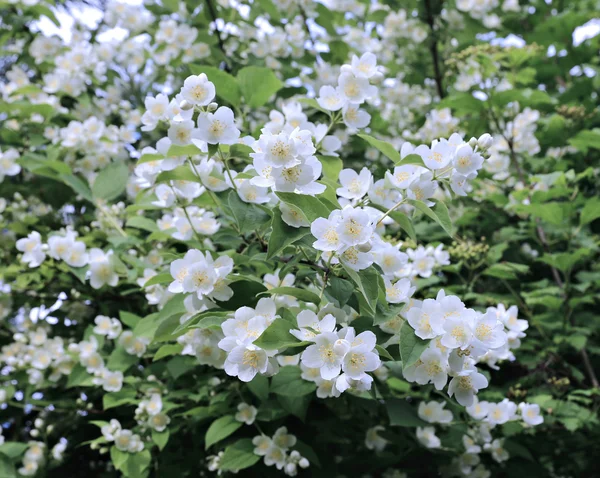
(275, 451)
(125, 440)
(338, 359)
(459, 338)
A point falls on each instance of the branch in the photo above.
(434, 51)
(213, 15)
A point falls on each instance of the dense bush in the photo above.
(348, 238)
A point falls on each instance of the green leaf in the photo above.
(302, 294)
(111, 181)
(167, 350)
(248, 217)
(118, 457)
(386, 148)
(439, 214)
(332, 166)
(282, 235)
(13, 449)
(288, 382)
(141, 222)
(506, 270)
(259, 386)
(402, 414)
(277, 336)
(258, 85)
(137, 463)
(160, 438)
(411, 159)
(238, 456)
(129, 319)
(220, 429)
(120, 360)
(78, 185)
(226, 85)
(411, 346)
(180, 173)
(310, 207)
(368, 283)
(383, 352)
(551, 212)
(164, 278)
(590, 211)
(125, 396)
(79, 377)
(585, 140)
(7, 468)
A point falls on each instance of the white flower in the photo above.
(31, 246)
(355, 117)
(489, 331)
(403, 176)
(182, 133)
(310, 325)
(365, 66)
(8, 164)
(373, 441)
(275, 151)
(436, 157)
(478, 410)
(464, 387)
(245, 361)
(197, 90)
(282, 439)
(355, 89)
(399, 291)
(466, 161)
(422, 188)
(111, 381)
(458, 332)
(427, 319)
(354, 186)
(330, 98)
(433, 368)
(101, 269)
(246, 413)
(354, 226)
(434, 412)
(261, 444)
(326, 354)
(361, 358)
(106, 326)
(530, 412)
(159, 422)
(500, 413)
(218, 127)
(428, 438)
(325, 230)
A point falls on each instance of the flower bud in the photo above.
(38, 423)
(341, 347)
(185, 105)
(346, 69)
(35, 433)
(473, 142)
(303, 463)
(212, 107)
(485, 141)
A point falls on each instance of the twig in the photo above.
(213, 15)
(434, 51)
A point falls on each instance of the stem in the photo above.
(210, 193)
(434, 51)
(389, 211)
(213, 15)
(108, 214)
(310, 36)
